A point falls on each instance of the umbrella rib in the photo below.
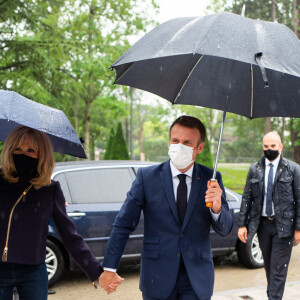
(251, 113)
(179, 93)
(124, 73)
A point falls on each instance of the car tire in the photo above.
(54, 261)
(250, 254)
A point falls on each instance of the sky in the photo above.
(170, 9)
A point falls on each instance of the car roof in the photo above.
(100, 163)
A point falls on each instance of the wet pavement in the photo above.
(232, 282)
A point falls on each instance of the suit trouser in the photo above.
(276, 253)
(183, 289)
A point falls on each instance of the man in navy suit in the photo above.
(176, 260)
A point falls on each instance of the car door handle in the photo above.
(76, 214)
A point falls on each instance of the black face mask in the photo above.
(271, 154)
(26, 166)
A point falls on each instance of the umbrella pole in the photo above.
(220, 140)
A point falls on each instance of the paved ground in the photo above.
(232, 282)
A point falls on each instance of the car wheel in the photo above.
(54, 261)
(250, 254)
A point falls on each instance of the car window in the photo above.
(231, 197)
(107, 185)
(64, 186)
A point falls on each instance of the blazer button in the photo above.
(178, 254)
(181, 235)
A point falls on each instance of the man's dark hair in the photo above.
(191, 122)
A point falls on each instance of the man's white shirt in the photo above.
(188, 174)
(275, 164)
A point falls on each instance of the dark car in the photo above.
(94, 193)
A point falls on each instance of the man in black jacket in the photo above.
(271, 207)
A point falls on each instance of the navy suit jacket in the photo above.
(165, 240)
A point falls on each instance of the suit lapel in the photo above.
(167, 181)
(197, 184)
(261, 177)
(281, 165)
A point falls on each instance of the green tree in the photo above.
(149, 123)
(156, 149)
(205, 157)
(58, 52)
(109, 144)
(119, 149)
(99, 35)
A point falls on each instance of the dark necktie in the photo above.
(269, 191)
(181, 197)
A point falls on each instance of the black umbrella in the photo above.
(17, 110)
(223, 61)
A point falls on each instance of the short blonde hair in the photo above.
(40, 142)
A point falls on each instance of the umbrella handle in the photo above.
(210, 204)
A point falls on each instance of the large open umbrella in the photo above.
(17, 110)
(222, 61)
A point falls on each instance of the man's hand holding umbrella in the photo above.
(213, 194)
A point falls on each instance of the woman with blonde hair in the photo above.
(28, 199)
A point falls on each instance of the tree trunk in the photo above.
(131, 123)
(273, 10)
(295, 148)
(268, 125)
(140, 137)
(76, 115)
(294, 134)
(282, 132)
(126, 129)
(87, 120)
(92, 150)
(296, 17)
(90, 88)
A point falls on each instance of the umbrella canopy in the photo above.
(17, 110)
(204, 61)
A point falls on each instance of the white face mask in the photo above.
(181, 155)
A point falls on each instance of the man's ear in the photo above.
(280, 147)
(200, 147)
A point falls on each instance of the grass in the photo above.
(234, 176)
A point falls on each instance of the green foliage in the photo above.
(217, 5)
(156, 149)
(58, 52)
(205, 157)
(119, 149)
(234, 176)
(108, 149)
(256, 9)
(1, 148)
(296, 124)
(247, 141)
